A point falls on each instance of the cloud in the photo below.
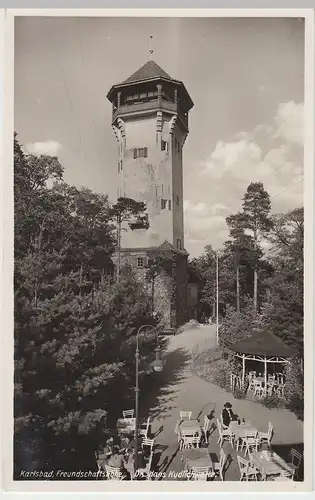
(43, 148)
(199, 208)
(201, 220)
(271, 153)
(289, 121)
(232, 158)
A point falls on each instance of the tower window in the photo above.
(170, 204)
(177, 200)
(163, 204)
(179, 244)
(120, 165)
(140, 262)
(163, 146)
(140, 153)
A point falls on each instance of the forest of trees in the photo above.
(266, 283)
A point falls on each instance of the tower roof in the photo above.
(149, 70)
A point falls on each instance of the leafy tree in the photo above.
(241, 247)
(284, 308)
(237, 326)
(203, 269)
(256, 213)
(74, 329)
(132, 212)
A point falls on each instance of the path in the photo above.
(182, 390)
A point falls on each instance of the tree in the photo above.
(256, 219)
(131, 211)
(240, 246)
(74, 329)
(203, 269)
(283, 307)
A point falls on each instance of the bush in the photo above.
(239, 393)
(272, 401)
(294, 388)
(220, 374)
(296, 405)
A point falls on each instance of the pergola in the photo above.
(264, 347)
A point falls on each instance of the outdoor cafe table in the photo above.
(125, 427)
(189, 426)
(269, 463)
(241, 430)
(197, 457)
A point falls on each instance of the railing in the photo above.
(148, 106)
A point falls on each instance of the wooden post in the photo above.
(243, 372)
(217, 283)
(265, 364)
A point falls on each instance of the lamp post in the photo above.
(217, 301)
(158, 367)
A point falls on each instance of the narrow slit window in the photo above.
(170, 204)
(177, 200)
(163, 204)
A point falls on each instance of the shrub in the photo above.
(272, 401)
(296, 405)
(239, 393)
(220, 374)
(294, 388)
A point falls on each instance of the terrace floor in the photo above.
(179, 389)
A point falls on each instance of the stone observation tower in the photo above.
(150, 122)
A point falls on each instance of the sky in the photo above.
(245, 76)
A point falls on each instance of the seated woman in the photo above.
(227, 415)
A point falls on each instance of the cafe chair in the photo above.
(224, 434)
(199, 473)
(250, 441)
(222, 423)
(295, 463)
(130, 421)
(266, 437)
(145, 472)
(218, 467)
(128, 413)
(206, 427)
(280, 390)
(188, 442)
(114, 473)
(185, 414)
(144, 428)
(247, 470)
(148, 442)
(258, 389)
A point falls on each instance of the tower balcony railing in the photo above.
(152, 105)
